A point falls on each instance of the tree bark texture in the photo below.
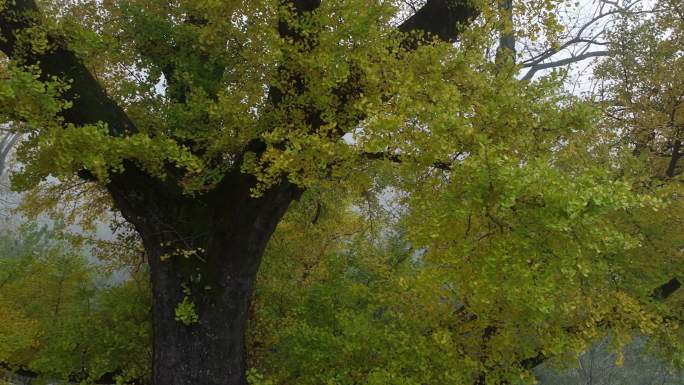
(225, 232)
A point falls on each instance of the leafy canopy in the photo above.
(522, 231)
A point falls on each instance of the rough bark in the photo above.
(444, 19)
(506, 51)
(226, 232)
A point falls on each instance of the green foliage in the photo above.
(363, 307)
(517, 226)
(186, 313)
(538, 239)
(642, 96)
(58, 322)
(213, 70)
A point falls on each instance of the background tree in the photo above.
(61, 320)
(641, 89)
(600, 365)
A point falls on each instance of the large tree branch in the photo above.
(559, 63)
(664, 291)
(582, 38)
(90, 103)
(578, 39)
(444, 19)
(675, 157)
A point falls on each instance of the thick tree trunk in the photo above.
(210, 351)
(205, 251)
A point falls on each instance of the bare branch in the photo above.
(559, 63)
(582, 38)
(576, 40)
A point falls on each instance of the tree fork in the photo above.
(204, 252)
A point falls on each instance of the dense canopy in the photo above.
(450, 222)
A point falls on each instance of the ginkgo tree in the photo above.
(204, 120)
